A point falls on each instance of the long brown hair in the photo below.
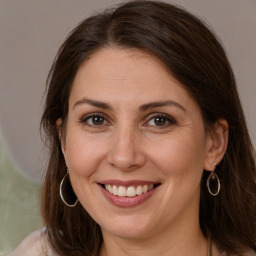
(195, 57)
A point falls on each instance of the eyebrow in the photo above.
(94, 103)
(158, 104)
(144, 107)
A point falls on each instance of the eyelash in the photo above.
(84, 119)
(170, 120)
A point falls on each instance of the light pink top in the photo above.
(37, 244)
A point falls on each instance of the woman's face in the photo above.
(135, 144)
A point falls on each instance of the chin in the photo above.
(130, 227)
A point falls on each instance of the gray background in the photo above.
(32, 30)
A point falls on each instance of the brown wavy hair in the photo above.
(195, 57)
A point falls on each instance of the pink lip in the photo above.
(127, 201)
(126, 183)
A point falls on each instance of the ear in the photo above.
(217, 142)
(59, 125)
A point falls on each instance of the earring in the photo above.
(213, 179)
(68, 192)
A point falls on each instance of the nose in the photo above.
(126, 152)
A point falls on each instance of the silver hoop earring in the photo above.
(69, 192)
(213, 179)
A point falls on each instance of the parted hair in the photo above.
(195, 57)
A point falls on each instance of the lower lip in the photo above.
(127, 201)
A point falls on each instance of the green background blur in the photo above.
(19, 203)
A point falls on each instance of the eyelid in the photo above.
(87, 116)
(169, 118)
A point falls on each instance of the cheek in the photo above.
(180, 155)
(83, 155)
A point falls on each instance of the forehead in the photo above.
(113, 62)
(126, 75)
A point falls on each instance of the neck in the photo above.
(174, 241)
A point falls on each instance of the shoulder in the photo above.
(36, 244)
(216, 252)
(250, 253)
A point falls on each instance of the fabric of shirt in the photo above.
(37, 244)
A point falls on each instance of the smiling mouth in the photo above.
(131, 191)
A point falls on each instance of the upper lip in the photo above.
(127, 183)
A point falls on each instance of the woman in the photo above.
(144, 120)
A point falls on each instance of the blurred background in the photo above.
(31, 32)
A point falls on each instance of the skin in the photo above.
(127, 142)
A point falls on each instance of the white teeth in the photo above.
(145, 189)
(121, 191)
(114, 190)
(109, 188)
(139, 190)
(131, 191)
(150, 187)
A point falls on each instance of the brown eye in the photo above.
(95, 120)
(160, 121)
